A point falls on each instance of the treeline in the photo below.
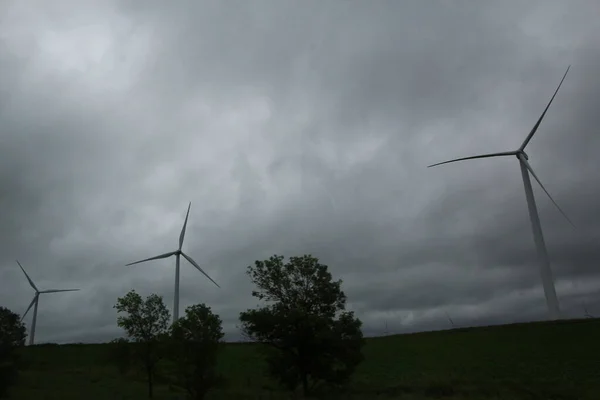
(308, 339)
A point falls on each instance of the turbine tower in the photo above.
(35, 301)
(542, 253)
(177, 253)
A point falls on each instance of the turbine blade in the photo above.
(27, 276)
(29, 308)
(195, 264)
(544, 189)
(539, 121)
(505, 153)
(182, 234)
(154, 258)
(59, 290)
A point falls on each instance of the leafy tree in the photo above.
(311, 338)
(146, 324)
(195, 343)
(12, 336)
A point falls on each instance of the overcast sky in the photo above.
(297, 127)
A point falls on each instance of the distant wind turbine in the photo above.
(544, 261)
(449, 319)
(177, 253)
(35, 301)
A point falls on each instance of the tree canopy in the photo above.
(145, 319)
(147, 323)
(196, 340)
(304, 320)
(12, 335)
(12, 330)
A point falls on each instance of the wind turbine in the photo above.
(177, 253)
(449, 319)
(35, 301)
(542, 253)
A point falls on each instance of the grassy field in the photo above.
(522, 361)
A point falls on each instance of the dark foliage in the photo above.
(12, 336)
(312, 339)
(146, 324)
(194, 347)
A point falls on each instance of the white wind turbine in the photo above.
(544, 261)
(177, 253)
(35, 301)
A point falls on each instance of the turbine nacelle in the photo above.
(520, 152)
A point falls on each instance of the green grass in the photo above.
(542, 361)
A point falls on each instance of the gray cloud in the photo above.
(296, 128)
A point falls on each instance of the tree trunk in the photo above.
(305, 389)
(149, 371)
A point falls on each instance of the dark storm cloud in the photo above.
(297, 128)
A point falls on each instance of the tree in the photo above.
(146, 324)
(195, 343)
(12, 336)
(310, 337)
(121, 354)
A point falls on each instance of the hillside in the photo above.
(522, 361)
